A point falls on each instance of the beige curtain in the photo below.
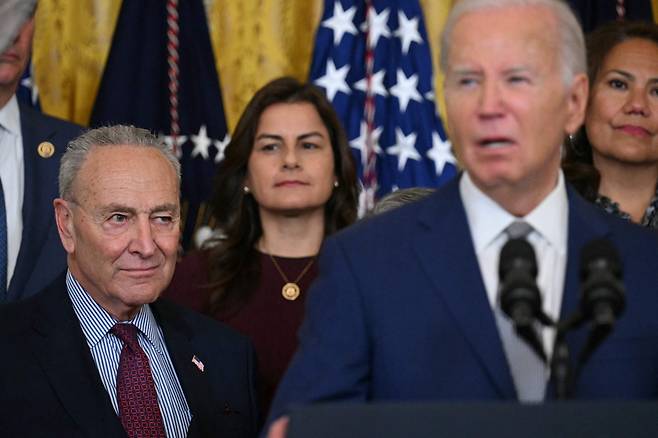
(254, 41)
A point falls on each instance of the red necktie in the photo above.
(138, 400)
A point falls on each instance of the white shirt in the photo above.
(13, 179)
(487, 221)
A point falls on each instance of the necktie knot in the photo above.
(518, 230)
(128, 335)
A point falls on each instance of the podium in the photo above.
(479, 419)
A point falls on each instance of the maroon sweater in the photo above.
(267, 318)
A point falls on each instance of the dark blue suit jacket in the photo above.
(50, 385)
(41, 257)
(399, 312)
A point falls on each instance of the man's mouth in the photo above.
(495, 142)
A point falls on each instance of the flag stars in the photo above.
(334, 80)
(175, 146)
(407, 31)
(406, 89)
(376, 26)
(341, 22)
(440, 153)
(202, 143)
(360, 142)
(376, 84)
(221, 147)
(404, 148)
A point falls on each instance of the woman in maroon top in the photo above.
(287, 181)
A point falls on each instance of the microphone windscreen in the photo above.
(517, 253)
(600, 253)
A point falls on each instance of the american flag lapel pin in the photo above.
(198, 363)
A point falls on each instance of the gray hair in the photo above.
(78, 149)
(571, 38)
(400, 197)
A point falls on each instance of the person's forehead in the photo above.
(514, 26)
(111, 158)
(126, 167)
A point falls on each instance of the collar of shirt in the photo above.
(96, 322)
(10, 118)
(487, 219)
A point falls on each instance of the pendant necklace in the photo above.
(290, 289)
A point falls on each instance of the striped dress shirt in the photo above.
(106, 348)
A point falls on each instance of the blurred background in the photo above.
(186, 69)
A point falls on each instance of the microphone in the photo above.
(518, 293)
(602, 291)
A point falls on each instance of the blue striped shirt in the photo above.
(106, 348)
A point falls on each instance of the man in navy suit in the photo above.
(31, 145)
(406, 306)
(69, 368)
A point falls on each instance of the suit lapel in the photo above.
(445, 251)
(40, 185)
(196, 386)
(62, 351)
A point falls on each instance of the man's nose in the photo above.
(142, 241)
(490, 100)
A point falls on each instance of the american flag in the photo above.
(198, 363)
(373, 60)
(161, 75)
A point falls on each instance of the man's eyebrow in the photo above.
(126, 209)
(168, 207)
(519, 69)
(107, 208)
(465, 71)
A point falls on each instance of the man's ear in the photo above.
(577, 103)
(64, 220)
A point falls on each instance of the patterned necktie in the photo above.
(528, 371)
(138, 400)
(3, 245)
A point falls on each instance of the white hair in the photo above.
(569, 32)
(78, 149)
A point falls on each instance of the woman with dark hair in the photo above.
(613, 159)
(286, 182)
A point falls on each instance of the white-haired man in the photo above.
(96, 353)
(406, 307)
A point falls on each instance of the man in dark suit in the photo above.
(31, 145)
(406, 305)
(95, 354)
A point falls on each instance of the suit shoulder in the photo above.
(396, 224)
(635, 240)
(40, 117)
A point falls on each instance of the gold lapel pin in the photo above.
(46, 149)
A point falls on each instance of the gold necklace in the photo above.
(290, 290)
